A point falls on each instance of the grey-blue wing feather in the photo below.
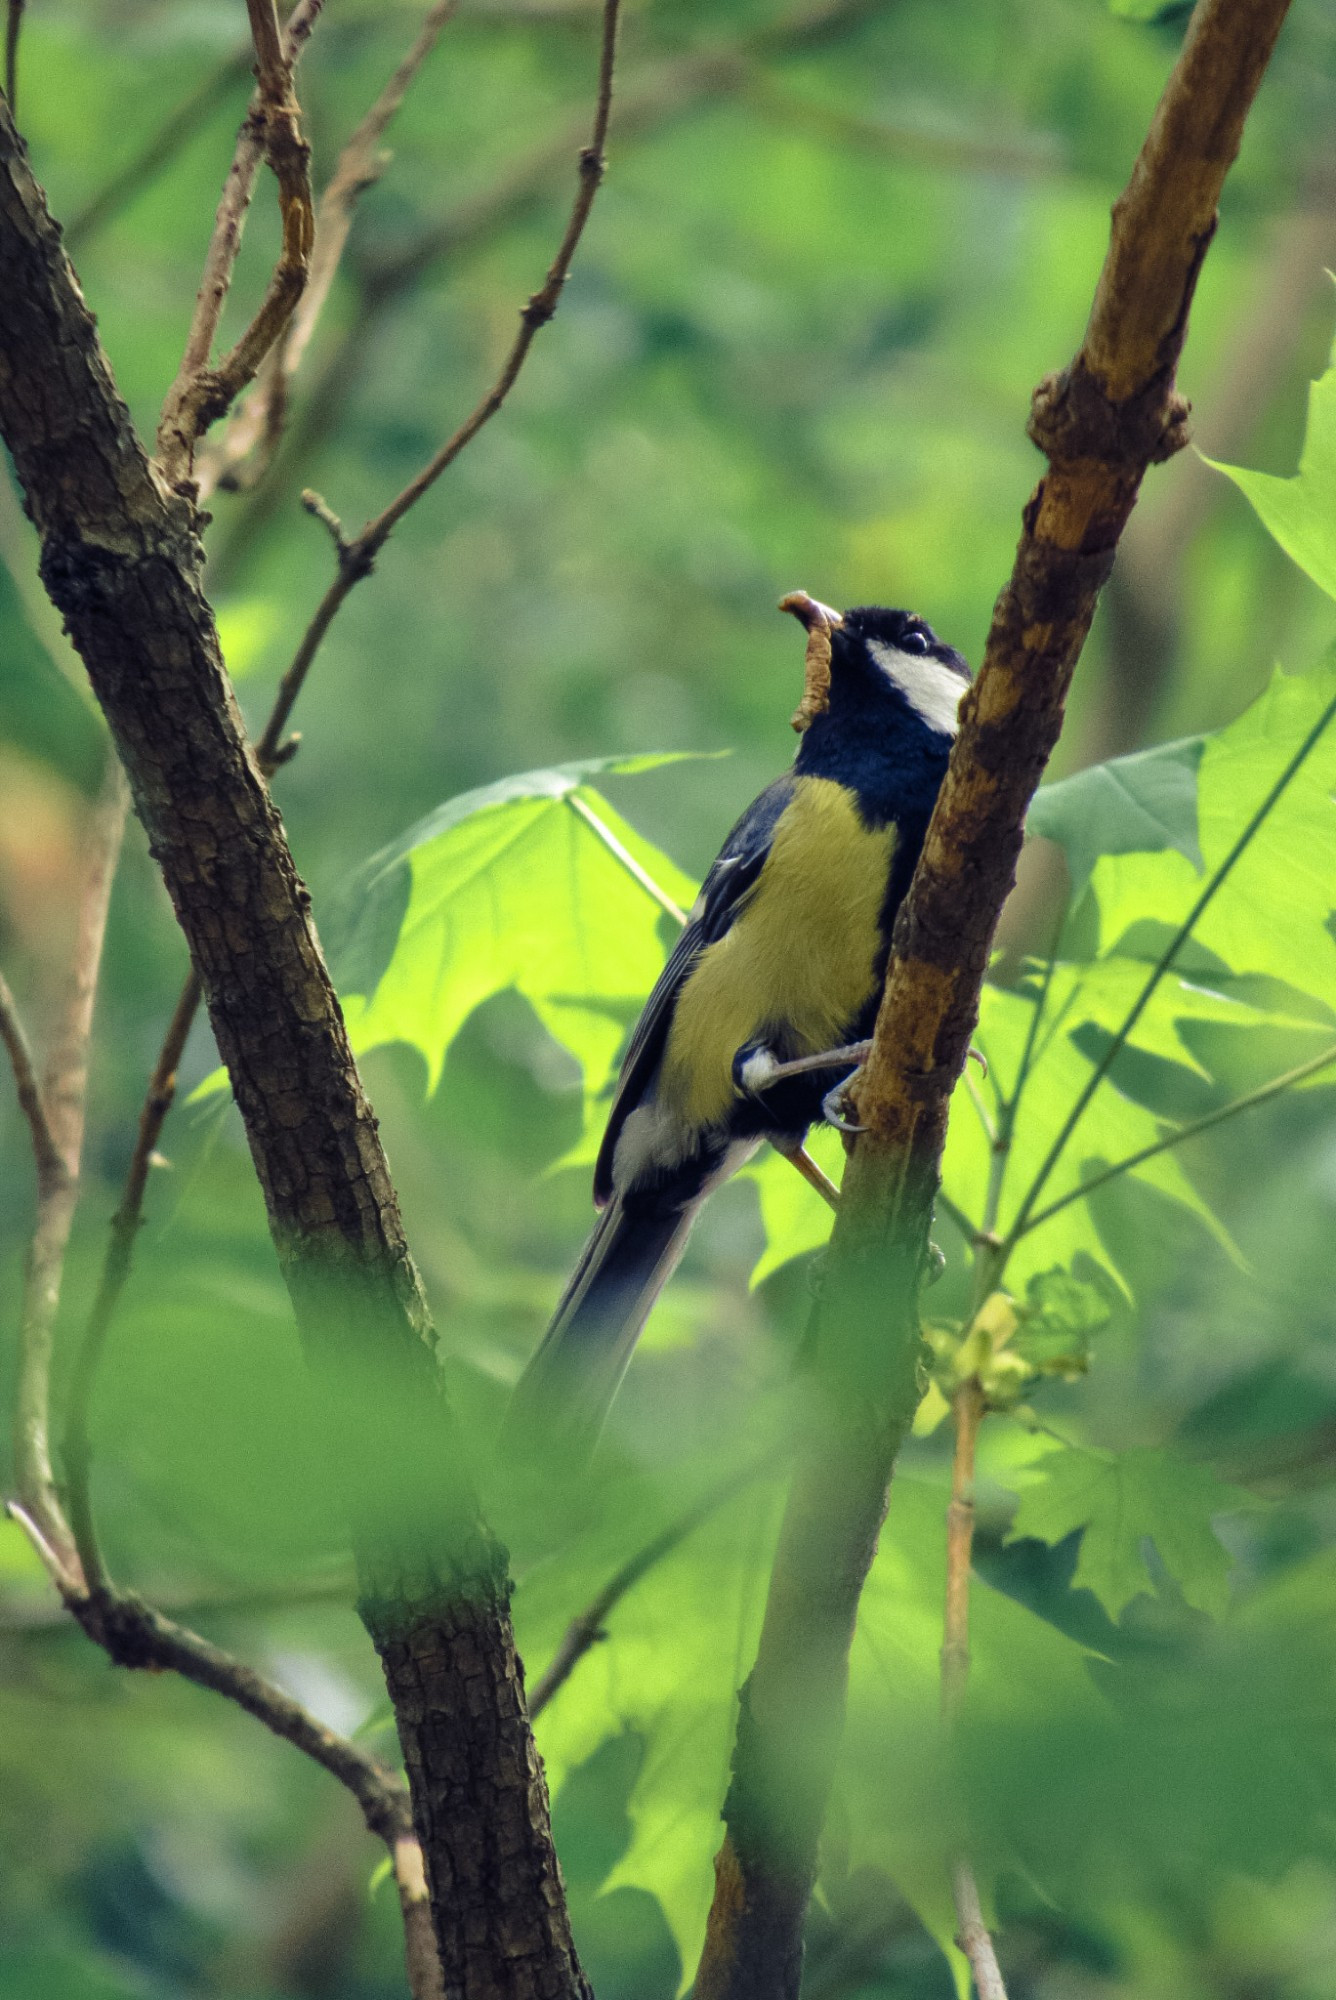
(731, 879)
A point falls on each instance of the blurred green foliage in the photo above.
(823, 276)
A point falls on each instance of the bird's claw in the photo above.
(835, 1103)
(978, 1056)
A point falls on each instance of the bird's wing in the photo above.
(732, 877)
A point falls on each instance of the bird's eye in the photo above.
(915, 640)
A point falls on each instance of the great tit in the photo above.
(783, 956)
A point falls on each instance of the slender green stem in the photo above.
(1011, 1105)
(968, 1229)
(985, 1115)
(620, 852)
(1158, 970)
(988, 1258)
(583, 810)
(1262, 1095)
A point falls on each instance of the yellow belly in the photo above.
(800, 959)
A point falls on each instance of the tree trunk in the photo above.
(121, 559)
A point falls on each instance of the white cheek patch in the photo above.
(932, 690)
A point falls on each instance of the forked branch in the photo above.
(271, 131)
(257, 426)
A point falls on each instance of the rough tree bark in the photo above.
(1101, 424)
(122, 561)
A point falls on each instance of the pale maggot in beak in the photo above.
(810, 611)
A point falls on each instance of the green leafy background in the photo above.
(797, 350)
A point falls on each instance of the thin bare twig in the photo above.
(973, 1936)
(134, 1635)
(586, 1630)
(1248, 1102)
(257, 426)
(968, 1407)
(540, 308)
(272, 131)
(648, 100)
(356, 557)
(75, 1450)
(55, 1113)
(50, 1165)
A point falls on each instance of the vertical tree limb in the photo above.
(1110, 415)
(57, 1124)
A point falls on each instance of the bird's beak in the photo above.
(810, 611)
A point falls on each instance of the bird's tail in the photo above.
(562, 1398)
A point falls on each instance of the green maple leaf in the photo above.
(1123, 1500)
(1301, 512)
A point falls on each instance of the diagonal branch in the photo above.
(586, 1629)
(50, 1165)
(1102, 423)
(1210, 888)
(1192, 1130)
(135, 1636)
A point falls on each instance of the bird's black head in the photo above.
(888, 661)
(874, 653)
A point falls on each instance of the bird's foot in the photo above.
(835, 1103)
(850, 1054)
(934, 1263)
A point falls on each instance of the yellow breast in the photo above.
(799, 960)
